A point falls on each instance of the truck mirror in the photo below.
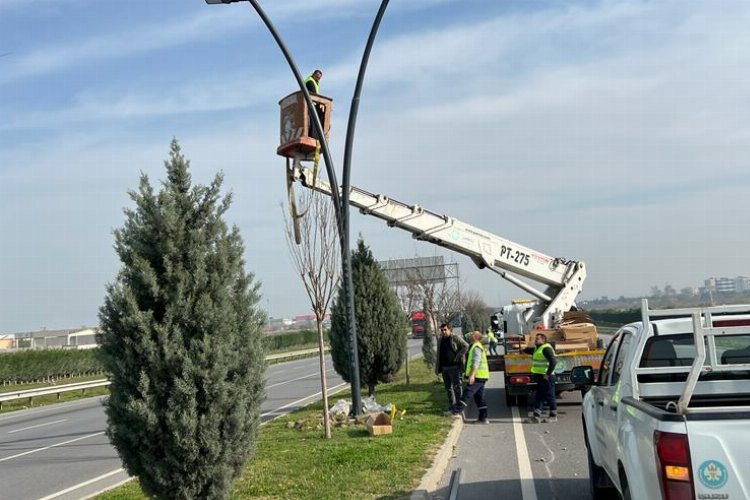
(495, 322)
(582, 375)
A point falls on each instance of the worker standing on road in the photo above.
(451, 351)
(493, 341)
(543, 367)
(478, 373)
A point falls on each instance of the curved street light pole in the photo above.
(315, 118)
(341, 204)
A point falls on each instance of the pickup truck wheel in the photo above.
(600, 484)
(509, 400)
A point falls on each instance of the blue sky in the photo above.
(614, 132)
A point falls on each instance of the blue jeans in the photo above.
(545, 392)
(475, 390)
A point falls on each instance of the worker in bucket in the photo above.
(478, 373)
(312, 83)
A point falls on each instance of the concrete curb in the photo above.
(432, 477)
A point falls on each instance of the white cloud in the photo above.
(210, 23)
(615, 134)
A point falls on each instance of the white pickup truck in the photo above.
(667, 420)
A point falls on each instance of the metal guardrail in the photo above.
(46, 391)
(82, 386)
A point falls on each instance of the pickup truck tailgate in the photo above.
(720, 454)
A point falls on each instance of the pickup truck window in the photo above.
(621, 353)
(679, 350)
(607, 361)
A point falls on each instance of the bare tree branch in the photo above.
(316, 260)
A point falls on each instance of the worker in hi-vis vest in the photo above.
(493, 341)
(543, 362)
(312, 84)
(478, 373)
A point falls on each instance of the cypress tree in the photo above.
(381, 326)
(181, 337)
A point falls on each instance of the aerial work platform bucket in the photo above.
(298, 138)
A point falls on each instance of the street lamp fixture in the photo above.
(341, 206)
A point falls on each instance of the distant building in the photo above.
(725, 285)
(740, 284)
(79, 338)
(279, 324)
(303, 321)
(7, 341)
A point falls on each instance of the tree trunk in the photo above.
(406, 362)
(371, 389)
(323, 383)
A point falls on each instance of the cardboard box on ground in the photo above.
(379, 424)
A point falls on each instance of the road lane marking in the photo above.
(37, 426)
(108, 488)
(51, 446)
(309, 375)
(81, 485)
(7, 417)
(300, 400)
(528, 491)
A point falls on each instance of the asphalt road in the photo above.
(520, 461)
(516, 460)
(61, 452)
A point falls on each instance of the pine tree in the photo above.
(381, 327)
(181, 337)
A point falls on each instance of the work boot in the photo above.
(552, 417)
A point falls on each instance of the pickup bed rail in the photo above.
(706, 359)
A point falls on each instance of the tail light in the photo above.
(524, 379)
(673, 465)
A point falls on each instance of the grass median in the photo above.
(300, 463)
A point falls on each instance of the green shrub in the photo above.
(617, 317)
(32, 366)
(281, 341)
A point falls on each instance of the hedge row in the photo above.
(281, 341)
(46, 365)
(617, 317)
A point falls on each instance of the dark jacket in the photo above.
(459, 347)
